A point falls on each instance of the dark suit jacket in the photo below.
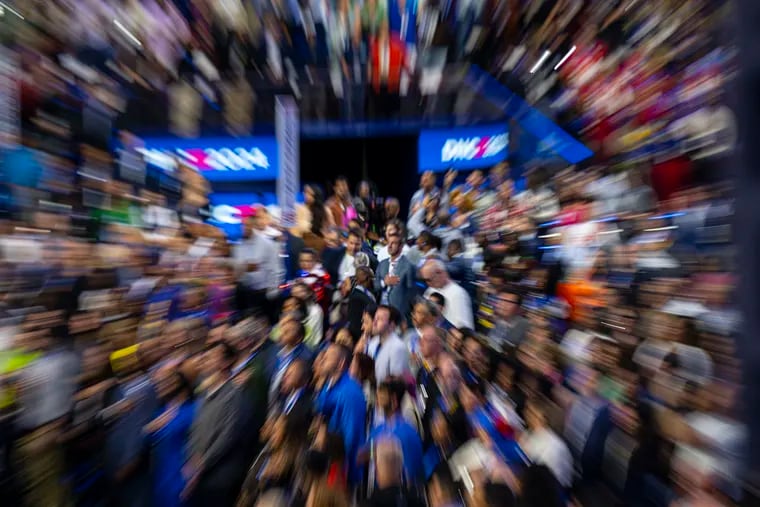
(394, 495)
(331, 259)
(298, 420)
(460, 270)
(357, 302)
(401, 295)
(218, 435)
(256, 389)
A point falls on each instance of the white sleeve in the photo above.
(462, 311)
(399, 361)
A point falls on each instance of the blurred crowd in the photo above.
(563, 340)
(567, 344)
(619, 72)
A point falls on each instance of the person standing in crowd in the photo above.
(260, 267)
(168, 434)
(134, 403)
(389, 466)
(392, 228)
(390, 395)
(342, 405)
(392, 208)
(431, 351)
(315, 317)
(459, 267)
(321, 217)
(395, 278)
(341, 204)
(291, 348)
(340, 263)
(510, 328)
(295, 403)
(544, 447)
(458, 308)
(427, 188)
(360, 298)
(426, 247)
(216, 467)
(446, 231)
(424, 313)
(390, 353)
(449, 427)
(45, 390)
(476, 355)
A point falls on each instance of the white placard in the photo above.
(288, 138)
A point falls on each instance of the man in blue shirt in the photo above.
(342, 404)
(389, 397)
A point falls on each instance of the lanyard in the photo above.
(292, 399)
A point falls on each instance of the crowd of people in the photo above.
(370, 54)
(571, 343)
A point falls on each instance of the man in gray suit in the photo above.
(510, 327)
(218, 458)
(395, 279)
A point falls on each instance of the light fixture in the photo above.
(5, 7)
(540, 61)
(564, 58)
(658, 229)
(127, 33)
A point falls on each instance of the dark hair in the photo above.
(395, 387)
(317, 210)
(229, 353)
(184, 384)
(344, 352)
(476, 385)
(438, 298)
(366, 367)
(508, 289)
(499, 494)
(355, 231)
(301, 306)
(371, 310)
(304, 286)
(428, 238)
(457, 243)
(445, 479)
(393, 314)
(308, 251)
(300, 329)
(340, 178)
(540, 488)
(398, 224)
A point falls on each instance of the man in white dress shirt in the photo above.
(390, 353)
(458, 309)
(260, 269)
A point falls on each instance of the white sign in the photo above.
(288, 137)
(237, 159)
(473, 148)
